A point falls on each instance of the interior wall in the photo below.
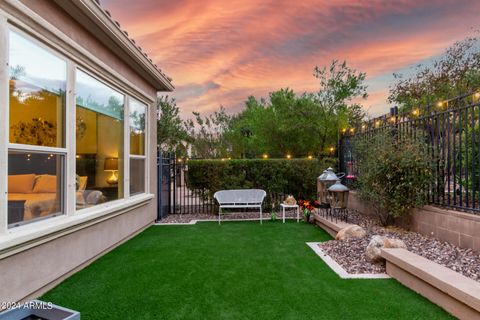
(46, 108)
(110, 145)
(103, 136)
(87, 143)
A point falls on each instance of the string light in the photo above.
(289, 156)
(332, 149)
(352, 130)
(265, 156)
(416, 112)
(344, 130)
(477, 95)
(310, 157)
(440, 104)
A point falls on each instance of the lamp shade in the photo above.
(111, 164)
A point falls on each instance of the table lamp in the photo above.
(111, 165)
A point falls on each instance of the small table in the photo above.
(295, 206)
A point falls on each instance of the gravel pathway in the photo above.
(350, 254)
(185, 218)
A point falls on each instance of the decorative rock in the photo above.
(353, 231)
(350, 254)
(394, 243)
(373, 250)
(372, 253)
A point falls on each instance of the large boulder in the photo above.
(352, 231)
(372, 253)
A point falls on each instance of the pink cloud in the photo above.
(219, 52)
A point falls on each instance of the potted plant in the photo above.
(306, 207)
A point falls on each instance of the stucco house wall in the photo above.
(28, 270)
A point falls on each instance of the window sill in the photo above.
(25, 237)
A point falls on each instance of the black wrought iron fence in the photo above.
(451, 130)
(175, 195)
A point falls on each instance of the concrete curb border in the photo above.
(342, 273)
(192, 222)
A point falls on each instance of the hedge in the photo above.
(275, 176)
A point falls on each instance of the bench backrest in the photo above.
(240, 196)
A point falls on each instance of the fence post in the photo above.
(159, 185)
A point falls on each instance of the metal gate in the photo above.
(174, 194)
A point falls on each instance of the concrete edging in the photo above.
(338, 269)
(452, 291)
(195, 221)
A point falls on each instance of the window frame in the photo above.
(146, 147)
(125, 134)
(76, 57)
(63, 151)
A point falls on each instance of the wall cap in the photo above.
(444, 279)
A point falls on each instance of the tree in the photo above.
(305, 124)
(300, 125)
(171, 134)
(207, 134)
(456, 72)
(339, 85)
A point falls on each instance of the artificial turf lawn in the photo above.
(239, 270)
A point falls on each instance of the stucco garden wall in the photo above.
(458, 228)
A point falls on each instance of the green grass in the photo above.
(239, 270)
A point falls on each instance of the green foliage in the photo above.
(306, 213)
(275, 176)
(456, 72)
(208, 134)
(285, 123)
(467, 156)
(171, 135)
(273, 216)
(393, 174)
(301, 125)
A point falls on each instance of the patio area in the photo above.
(239, 270)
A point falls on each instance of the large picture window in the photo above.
(56, 113)
(99, 141)
(137, 117)
(36, 155)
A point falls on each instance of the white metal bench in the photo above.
(240, 198)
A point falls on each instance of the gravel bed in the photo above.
(350, 254)
(186, 218)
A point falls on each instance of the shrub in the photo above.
(275, 176)
(393, 174)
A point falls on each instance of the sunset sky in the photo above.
(219, 52)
